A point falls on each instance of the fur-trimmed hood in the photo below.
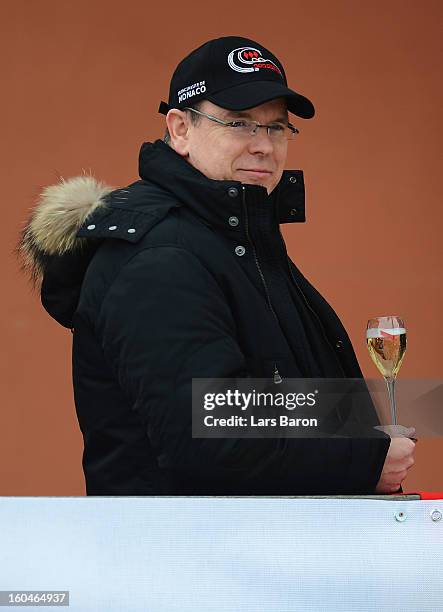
(57, 217)
(69, 223)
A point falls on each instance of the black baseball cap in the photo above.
(235, 73)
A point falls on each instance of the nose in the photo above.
(261, 142)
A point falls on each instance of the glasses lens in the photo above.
(281, 132)
(277, 131)
(244, 128)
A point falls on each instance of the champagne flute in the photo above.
(386, 339)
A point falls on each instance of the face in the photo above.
(219, 153)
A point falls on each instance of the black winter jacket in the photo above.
(177, 277)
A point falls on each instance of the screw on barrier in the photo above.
(436, 515)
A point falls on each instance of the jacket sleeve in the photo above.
(164, 321)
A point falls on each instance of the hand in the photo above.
(397, 463)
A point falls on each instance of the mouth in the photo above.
(259, 173)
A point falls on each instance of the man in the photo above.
(184, 274)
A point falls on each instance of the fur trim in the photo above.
(59, 213)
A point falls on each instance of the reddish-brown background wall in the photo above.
(81, 85)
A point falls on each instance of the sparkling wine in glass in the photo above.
(386, 339)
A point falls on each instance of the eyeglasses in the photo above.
(278, 132)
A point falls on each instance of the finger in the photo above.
(396, 476)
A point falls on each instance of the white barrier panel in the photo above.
(225, 554)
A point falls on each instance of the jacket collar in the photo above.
(216, 201)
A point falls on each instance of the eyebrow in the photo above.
(246, 115)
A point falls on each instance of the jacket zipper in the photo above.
(277, 378)
(306, 301)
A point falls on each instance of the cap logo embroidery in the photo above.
(191, 90)
(249, 59)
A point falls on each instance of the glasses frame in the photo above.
(232, 124)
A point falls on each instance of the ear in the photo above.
(178, 127)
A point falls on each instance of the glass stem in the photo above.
(391, 391)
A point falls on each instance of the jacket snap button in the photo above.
(292, 179)
(112, 227)
(131, 231)
(400, 517)
(293, 211)
(240, 250)
(339, 344)
(90, 227)
(233, 221)
(232, 192)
